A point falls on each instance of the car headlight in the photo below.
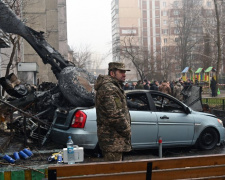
(220, 121)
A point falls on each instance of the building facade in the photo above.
(50, 18)
(160, 28)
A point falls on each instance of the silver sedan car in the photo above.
(154, 115)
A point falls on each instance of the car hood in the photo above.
(203, 114)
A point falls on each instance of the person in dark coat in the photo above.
(213, 87)
(154, 86)
(139, 85)
(147, 86)
(133, 85)
(127, 86)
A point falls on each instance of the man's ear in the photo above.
(112, 73)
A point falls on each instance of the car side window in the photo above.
(165, 104)
(137, 102)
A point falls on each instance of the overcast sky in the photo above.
(89, 23)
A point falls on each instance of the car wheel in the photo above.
(98, 150)
(208, 139)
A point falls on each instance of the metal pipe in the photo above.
(23, 112)
(160, 147)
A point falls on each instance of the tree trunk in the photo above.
(218, 42)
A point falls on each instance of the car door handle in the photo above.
(164, 117)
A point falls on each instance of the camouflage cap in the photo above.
(117, 65)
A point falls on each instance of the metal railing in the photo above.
(217, 103)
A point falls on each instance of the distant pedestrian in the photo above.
(165, 87)
(213, 87)
(127, 86)
(133, 85)
(177, 91)
(154, 85)
(171, 83)
(139, 85)
(147, 85)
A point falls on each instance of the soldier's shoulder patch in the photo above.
(118, 102)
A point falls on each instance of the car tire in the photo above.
(208, 139)
(98, 150)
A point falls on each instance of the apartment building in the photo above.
(155, 25)
(50, 18)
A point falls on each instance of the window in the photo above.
(176, 31)
(176, 21)
(209, 4)
(176, 39)
(164, 13)
(175, 12)
(165, 22)
(165, 40)
(164, 48)
(137, 102)
(175, 3)
(199, 2)
(165, 31)
(164, 4)
(166, 104)
(144, 13)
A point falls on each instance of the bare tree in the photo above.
(187, 29)
(169, 59)
(218, 42)
(130, 51)
(214, 36)
(15, 5)
(81, 56)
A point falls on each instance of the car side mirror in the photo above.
(187, 110)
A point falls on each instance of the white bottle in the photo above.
(70, 151)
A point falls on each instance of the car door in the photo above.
(175, 126)
(144, 128)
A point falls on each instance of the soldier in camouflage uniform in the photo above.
(113, 118)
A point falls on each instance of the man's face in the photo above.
(120, 75)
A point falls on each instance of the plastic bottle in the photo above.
(70, 151)
(59, 158)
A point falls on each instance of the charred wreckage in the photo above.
(37, 105)
(74, 87)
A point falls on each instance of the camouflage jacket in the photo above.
(165, 88)
(113, 118)
(177, 91)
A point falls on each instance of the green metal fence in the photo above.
(218, 103)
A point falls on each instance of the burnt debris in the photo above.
(75, 86)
